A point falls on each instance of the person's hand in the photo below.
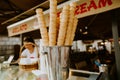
(15, 62)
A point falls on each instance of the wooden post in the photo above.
(116, 42)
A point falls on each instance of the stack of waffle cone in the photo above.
(70, 23)
(63, 25)
(73, 30)
(43, 28)
(61, 30)
(53, 23)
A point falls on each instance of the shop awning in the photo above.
(84, 8)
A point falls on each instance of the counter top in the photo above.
(14, 73)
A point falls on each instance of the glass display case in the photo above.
(14, 73)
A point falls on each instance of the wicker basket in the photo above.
(29, 67)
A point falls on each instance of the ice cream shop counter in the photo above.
(14, 73)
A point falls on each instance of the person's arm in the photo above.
(23, 55)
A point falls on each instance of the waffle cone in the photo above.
(63, 25)
(43, 27)
(74, 29)
(53, 23)
(70, 24)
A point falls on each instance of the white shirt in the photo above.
(27, 53)
(30, 57)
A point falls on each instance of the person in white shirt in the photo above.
(30, 50)
(30, 54)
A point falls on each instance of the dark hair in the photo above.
(28, 39)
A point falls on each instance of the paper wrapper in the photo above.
(43, 27)
(63, 25)
(70, 23)
(53, 23)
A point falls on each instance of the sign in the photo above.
(90, 7)
(84, 8)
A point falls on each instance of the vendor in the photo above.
(29, 57)
(30, 50)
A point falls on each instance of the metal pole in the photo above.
(116, 42)
(21, 39)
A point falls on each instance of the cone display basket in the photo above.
(57, 61)
(29, 67)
